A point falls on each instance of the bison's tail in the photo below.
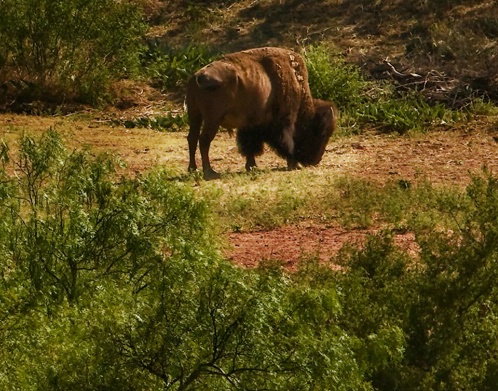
(208, 82)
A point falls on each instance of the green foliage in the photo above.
(429, 323)
(114, 283)
(375, 298)
(68, 49)
(458, 294)
(365, 102)
(77, 225)
(109, 282)
(170, 68)
(238, 329)
(330, 78)
(407, 114)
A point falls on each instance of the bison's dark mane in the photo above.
(309, 140)
(251, 139)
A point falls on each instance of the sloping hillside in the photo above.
(455, 40)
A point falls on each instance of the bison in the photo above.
(264, 94)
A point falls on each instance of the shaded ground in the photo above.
(457, 40)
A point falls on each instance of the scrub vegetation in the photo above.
(113, 266)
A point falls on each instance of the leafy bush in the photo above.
(170, 68)
(68, 49)
(330, 78)
(454, 325)
(366, 102)
(114, 283)
(438, 310)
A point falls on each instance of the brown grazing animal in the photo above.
(264, 94)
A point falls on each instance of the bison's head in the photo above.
(313, 139)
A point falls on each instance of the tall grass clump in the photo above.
(65, 50)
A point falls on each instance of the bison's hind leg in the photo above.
(193, 140)
(209, 130)
(250, 141)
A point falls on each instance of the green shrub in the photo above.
(456, 311)
(434, 316)
(375, 293)
(68, 49)
(170, 68)
(330, 78)
(363, 102)
(114, 282)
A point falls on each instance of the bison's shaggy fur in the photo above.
(309, 140)
(264, 94)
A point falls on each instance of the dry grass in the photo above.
(442, 156)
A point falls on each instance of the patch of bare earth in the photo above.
(295, 243)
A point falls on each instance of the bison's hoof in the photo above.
(210, 175)
(292, 165)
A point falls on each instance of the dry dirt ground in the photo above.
(443, 156)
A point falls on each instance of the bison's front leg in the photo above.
(250, 143)
(291, 163)
(287, 147)
(207, 135)
(250, 163)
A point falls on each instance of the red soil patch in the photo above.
(291, 244)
